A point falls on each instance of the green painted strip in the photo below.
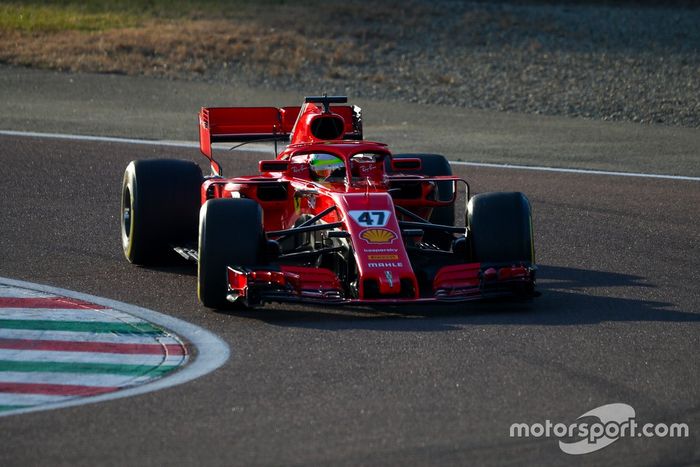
(81, 326)
(90, 368)
(4, 408)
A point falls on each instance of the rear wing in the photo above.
(243, 124)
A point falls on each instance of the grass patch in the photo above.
(100, 15)
(53, 18)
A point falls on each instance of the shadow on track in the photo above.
(564, 301)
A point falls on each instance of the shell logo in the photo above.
(377, 235)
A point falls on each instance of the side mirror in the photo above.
(409, 163)
(273, 166)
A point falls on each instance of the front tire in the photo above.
(230, 234)
(159, 208)
(500, 228)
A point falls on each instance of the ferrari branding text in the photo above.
(389, 278)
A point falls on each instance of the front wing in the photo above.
(456, 283)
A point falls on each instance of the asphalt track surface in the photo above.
(149, 108)
(618, 321)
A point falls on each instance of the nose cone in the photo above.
(382, 262)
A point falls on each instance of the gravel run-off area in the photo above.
(613, 63)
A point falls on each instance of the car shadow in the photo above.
(174, 265)
(568, 297)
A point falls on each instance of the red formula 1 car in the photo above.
(333, 219)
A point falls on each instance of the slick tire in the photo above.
(230, 234)
(159, 208)
(500, 228)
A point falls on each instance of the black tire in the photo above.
(434, 165)
(230, 233)
(159, 208)
(500, 228)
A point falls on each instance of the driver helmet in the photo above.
(327, 167)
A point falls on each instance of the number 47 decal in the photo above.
(371, 218)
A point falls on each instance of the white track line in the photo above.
(251, 147)
(96, 380)
(11, 292)
(11, 398)
(102, 139)
(99, 337)
(575, 171)
(211, 353)
(266, 149)
(23, 355)
(69, 314)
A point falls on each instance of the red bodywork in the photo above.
(365, 214)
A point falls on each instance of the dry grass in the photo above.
(284, 40)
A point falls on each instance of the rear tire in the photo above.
(159, 208)
(230, 234)
(437, 165)
(500, 228)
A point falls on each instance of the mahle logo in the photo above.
(598, 428)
